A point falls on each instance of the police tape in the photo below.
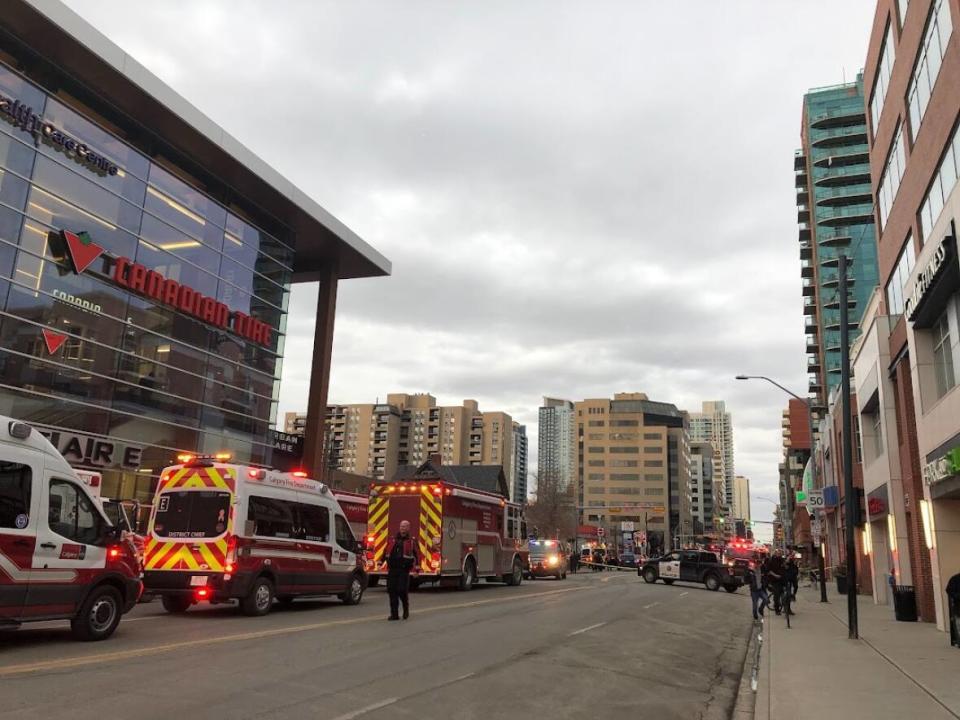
(603, 565)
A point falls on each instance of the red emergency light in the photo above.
(202, 593)
(299, 473)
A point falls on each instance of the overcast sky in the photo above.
(579, 198)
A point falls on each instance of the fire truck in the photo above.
(463, 534)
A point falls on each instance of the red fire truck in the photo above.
(464, 534)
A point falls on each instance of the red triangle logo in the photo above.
(83, 251)
(54, 340)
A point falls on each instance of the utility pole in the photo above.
(850, 497)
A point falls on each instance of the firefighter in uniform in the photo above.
(401, 559)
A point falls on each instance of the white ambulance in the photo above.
(220, 532)
(60, 557)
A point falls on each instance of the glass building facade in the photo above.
(835, 215)
(125, 374)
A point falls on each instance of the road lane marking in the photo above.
(368, 709)
(645, 607)
(252, 635)
(463, 677)
(147, 617)
(684, 593)
(586, 629)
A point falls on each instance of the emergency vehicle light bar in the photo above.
(191, 459)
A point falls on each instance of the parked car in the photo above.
(628, 560)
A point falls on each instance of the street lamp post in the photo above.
(821, 569)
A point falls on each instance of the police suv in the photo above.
(696, 566)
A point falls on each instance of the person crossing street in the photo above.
(401, 559)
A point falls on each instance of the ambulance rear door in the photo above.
(20, 478)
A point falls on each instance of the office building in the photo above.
(702, 506)
(634, 466)
(741, 498)
(835, 216)
(374, 439)
(913, 403)
(795, 430)
(713, 424)
(518, 486)
(146, 261)
(557, 447)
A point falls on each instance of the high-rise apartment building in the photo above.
(294, 423)
(633, 465)
(909, 409)
(741, 498)
(795, 429)
(713, 424)
(557, 446)
(702, 506)
(374, 439)
(835, 216)
(518, 486)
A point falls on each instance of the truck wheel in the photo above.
(373, 581)
(354, 593)
(649, 575)
(260, 598)
(176, 604)
(516, 574)
(469, 576)
(712, 582)
(99, 615)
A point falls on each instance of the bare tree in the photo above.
(552, 513)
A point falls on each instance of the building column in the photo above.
(314, 455)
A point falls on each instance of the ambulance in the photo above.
(60, 556)
(221, 532)
(464, 535)
(354, 506)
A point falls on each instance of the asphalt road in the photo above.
(597, 645)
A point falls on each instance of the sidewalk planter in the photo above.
(841, 584)
(905, 603)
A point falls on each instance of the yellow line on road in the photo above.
(99, 658)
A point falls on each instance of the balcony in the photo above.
(809, 306)
(806, 251)
(835, 118)
(834, 304)
(812, 346)
(845, 158)
(815, 385)
(800, 179)
(803, 213)
(799, 160)
(841, 175)
(840, 136)
(813, 364)
(803, 194)
(811, 327)
(806, 269)
(861, 214)
(809, 288)
(838, 238)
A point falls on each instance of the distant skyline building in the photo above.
(835, 215)
(702, 506)
(713, 424)
(741, 498)
(518, 486)
(556, 446)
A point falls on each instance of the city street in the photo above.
(597, 645)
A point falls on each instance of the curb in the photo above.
(744, 706)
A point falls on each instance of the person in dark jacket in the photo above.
(793, 577)
(774, 578)
(401, 559)
(758, 595)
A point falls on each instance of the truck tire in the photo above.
(354, 593)
(260, 598)
(176, 604)
(99, 615)
(516, 574)
(469, 576)
(650, 575)
(711, 581)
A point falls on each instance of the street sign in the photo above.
(601, 532)
(626, 526)
(801, 497)
(815, 500)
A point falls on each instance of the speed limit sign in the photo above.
(815, 500)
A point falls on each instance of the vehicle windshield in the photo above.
(543, 550)
(192, 514)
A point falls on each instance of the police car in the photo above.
(547, 559)
(696, 566)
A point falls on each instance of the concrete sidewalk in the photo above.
(896, 670)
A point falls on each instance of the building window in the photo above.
(943, 356)
(927, 68)
(941, 187)
(898, 279)
(891, 176)
(902, 10)
(882, 81)
(877, 434)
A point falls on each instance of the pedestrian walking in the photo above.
(792, 577)
(401, 559)
(774, 578)
(758, 595)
